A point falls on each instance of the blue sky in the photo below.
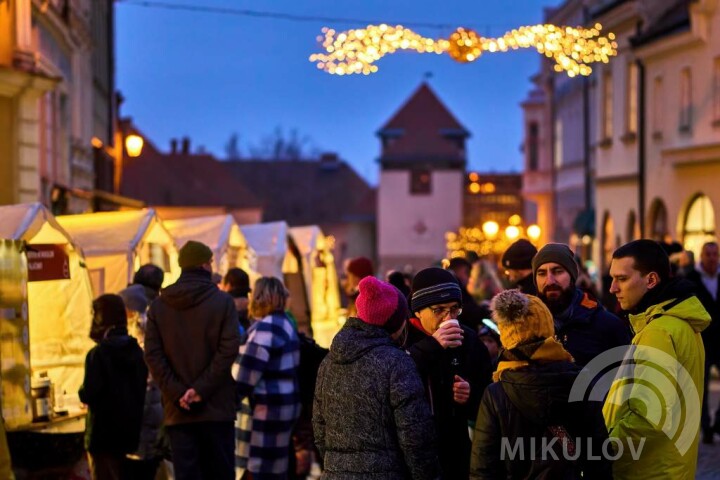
(208, 75)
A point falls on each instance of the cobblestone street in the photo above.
(709, 456)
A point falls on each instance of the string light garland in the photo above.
(355, 51)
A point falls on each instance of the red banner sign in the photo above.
(47, 262)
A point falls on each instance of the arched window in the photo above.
(658, 221)
(699, 225)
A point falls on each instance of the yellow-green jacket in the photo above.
(661, 402)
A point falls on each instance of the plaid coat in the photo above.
(266, 376)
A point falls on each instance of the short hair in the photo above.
(711, 243)
(238, 282)
(459, 262)
(648, 256)
(149, 275)
(269, 295)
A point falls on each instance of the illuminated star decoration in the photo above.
(357, 50)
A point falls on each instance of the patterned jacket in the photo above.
(371, 418)
(266, 376)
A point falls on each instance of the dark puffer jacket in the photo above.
(370, 416)
(514, 416)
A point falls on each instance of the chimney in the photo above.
(328, 157)
(186, 145)
(173, 145)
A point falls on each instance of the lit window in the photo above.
(631, 103)
(699, 224)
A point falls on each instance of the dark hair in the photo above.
(110, 310)
(150, 276)
(648, 256)
(238, 281)
(459, 262)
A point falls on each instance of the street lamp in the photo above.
(134, 145)
(512, 232)
(490, 228)
(534, 232)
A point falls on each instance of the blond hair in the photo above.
(268, 295)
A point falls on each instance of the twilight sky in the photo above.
(207, 75)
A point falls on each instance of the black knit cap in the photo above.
(556, 253)
(519, 255)
(433, 286)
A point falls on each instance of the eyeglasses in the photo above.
(441, 312)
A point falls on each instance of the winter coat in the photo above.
(191, 341)
(670, 319)
(266, 374)
(526, 285)
(525, 404)
(114, 391)
(435, 365)
(711, 335)
(370, 417)
(586, 329)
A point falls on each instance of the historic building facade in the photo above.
(56, 94)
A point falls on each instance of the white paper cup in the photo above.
(452, 321)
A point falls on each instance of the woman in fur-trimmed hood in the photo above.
(527, 405)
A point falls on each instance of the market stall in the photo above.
(116, 244)
(278, 256)
(222, 234)
(56, 304)
(321, 280)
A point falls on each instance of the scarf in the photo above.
(538, 350)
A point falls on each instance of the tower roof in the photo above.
(423, 128)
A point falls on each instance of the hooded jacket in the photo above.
(370, 416)
(191, 341)
(114, 391)
(669, 320)
(515, 415)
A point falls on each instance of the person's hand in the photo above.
(448, 335)
(190, 396)
(461, 390)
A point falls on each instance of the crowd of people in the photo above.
(423, 381)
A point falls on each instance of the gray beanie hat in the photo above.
(134, 298)
(556, 253)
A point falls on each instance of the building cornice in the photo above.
(15, 82)
(692, 155)
(631, 178)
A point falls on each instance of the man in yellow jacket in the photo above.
(653, 413)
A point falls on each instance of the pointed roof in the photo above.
(423, 127)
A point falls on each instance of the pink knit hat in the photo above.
(381, 304)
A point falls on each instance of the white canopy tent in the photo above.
(59, 311)
(222, 234)
(269, 241)
(116, 244)
(318, 268)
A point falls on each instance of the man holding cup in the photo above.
(454, 365)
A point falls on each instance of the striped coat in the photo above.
(266, 376)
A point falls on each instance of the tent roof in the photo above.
(215, 231)
(266, 238)
(306, 237)
(28, 221)
(111, 232)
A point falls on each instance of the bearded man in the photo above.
(582, 324)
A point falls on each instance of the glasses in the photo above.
(441, 312)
